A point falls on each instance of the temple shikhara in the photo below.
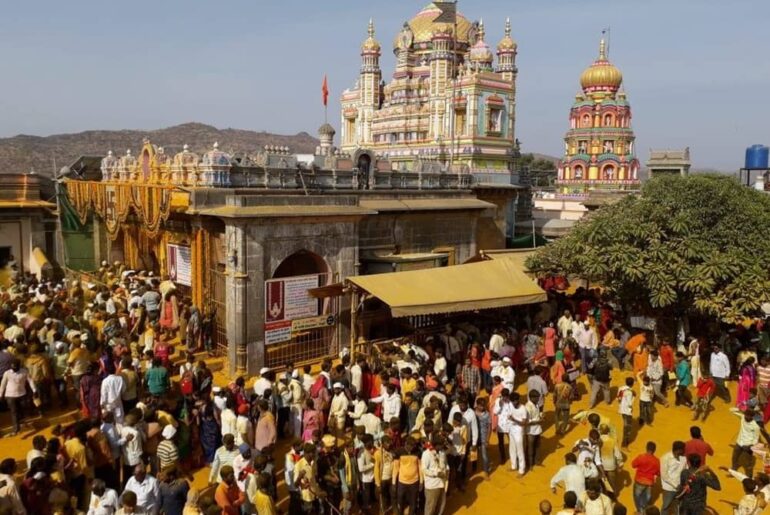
(599, 146)
(448, 105)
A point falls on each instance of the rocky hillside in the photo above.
(23, 153)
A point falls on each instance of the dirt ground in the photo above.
(503, 489)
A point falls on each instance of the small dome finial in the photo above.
(216, 145)
(508, 27)
(371, 28)
(602, 50)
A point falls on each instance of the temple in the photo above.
(599, 146)
(669, 162)
(448, 105)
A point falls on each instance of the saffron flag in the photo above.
(325, 92)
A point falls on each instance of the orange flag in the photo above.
(325, 92)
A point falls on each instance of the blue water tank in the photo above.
(757, 157)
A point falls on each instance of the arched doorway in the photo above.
(288, 303)
(364, 160)
(302, 262)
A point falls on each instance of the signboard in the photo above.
(304, 324)
(277, 332)
(179, 259)
(288, 299)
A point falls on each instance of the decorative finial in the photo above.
(602, 50)
(128, 152)
(371, 28)
(109, 153)
(508, 27)
(216, 145)
(186, 148)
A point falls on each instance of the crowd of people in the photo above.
(402, 428)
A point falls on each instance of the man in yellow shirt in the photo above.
(408, 383)
(305, 480)
(262, 500)
(82, 471)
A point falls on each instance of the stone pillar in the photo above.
(237, 314)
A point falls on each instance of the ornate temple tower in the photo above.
(506, 66)
(441, 74)
(599, 146)
(448, 106)
(370, 79)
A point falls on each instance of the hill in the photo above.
(24, 153)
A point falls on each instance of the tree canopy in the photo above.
(684, 245)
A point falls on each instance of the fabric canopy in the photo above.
(483, 285)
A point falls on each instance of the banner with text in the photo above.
(287, 299)
(179, 259)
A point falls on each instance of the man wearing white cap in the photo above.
(338, 410)
(167, 451)
(507, 374)
(263, 383)
(295, 405)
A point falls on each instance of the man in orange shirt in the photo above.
(228, 496)
(647, 468)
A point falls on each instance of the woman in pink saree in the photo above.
(311, 421)
(747, 379)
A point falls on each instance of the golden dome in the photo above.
(507, 43)
(601, 75)
(371, 44)
(423, 25)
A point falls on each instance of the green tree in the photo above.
(685, 245)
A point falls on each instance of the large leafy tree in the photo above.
(685, 245)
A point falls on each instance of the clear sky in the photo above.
(696, 71)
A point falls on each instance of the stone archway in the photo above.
(301, 262)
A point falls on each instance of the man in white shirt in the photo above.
(263, 383)
(104, 501)
(626, 408)
(586, 338)
(720, 371)
(671, 466)
(440, 366)
(146, 489)
(111, 399)
(534, 427)
(515, 414)
(9, 491)
(338, 410)
(391, 403)
(506, 373)
(356, 374)
(13, 387)
(295, 405)
(496, 342)
(436, 474)
(469, 419)
(565, 323)
(748, 436)
(571, 475)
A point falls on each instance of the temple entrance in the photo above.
(364, 166)
(302, 262)
(285, 292)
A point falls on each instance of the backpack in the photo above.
(602, 371)
(186, 384)
(319, 384)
